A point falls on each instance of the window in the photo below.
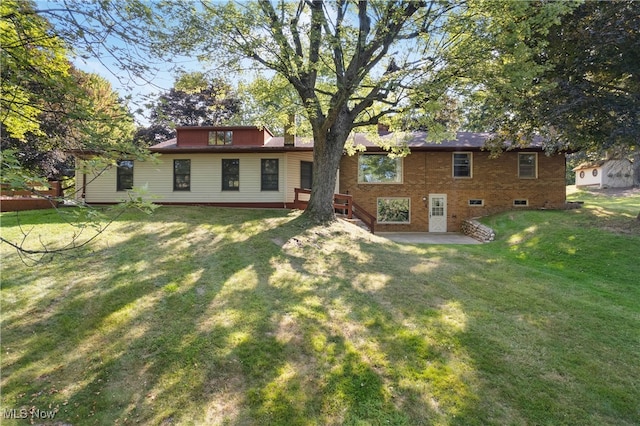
(181, 175)
(476, 202)
(220, 137)
(528, 165)
(521, 203)
(231, 175)
(462, 164)
(393, 210)
(306, 174)
(124, 178)
(269, 175)
(379, 168)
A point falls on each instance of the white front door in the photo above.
(437, 212)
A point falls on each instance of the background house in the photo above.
(433, 189)
(605, 174)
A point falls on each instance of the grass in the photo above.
(199, 315)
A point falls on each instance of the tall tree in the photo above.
(195, 100)
(581, 88)
(47, 106)
(351, 63)
(273, 103)
(35, 68)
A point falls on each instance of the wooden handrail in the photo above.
(366, 217)
(346, 207)
(342, 202)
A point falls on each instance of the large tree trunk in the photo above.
(327, 152)
(636, 170)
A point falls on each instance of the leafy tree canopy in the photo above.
(576, 83)
(48, 107)
(352, 63)
(195, 100)
(34, 68)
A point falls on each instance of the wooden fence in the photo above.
(33, 199)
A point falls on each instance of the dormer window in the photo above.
(220, 137)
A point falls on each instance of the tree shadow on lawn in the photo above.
(197, 335)
(244, 320)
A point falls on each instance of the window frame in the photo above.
(393, 222)
(220, 137)
(120, 173)
(472, 202)
(226, 174)
(176, 185)
(469, 155)
(263, 175)
(535, 165)
(399, 163)
(521, 202)
(303, 175)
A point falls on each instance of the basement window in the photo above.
(521, 203)
(476, 202)
(393, 210)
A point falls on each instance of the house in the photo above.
(439, 185)
(237, 166)
(433, 189)
(605, 174)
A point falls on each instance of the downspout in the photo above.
(286, 179)
(83, 195)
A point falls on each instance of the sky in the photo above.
(137, 89)
(103, 64)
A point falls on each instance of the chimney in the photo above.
(290, 131)
(383, 129)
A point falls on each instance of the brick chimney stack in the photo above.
(383, 129)
(290, 131)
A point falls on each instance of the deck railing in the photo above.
(367, 218)
(33, 198)
(342, 203)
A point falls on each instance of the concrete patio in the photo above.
(428, 237)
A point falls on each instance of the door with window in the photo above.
(437, 212)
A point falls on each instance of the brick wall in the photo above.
(495, 181)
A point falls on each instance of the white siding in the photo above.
(588, 179)
(293, 171)
(206, 179)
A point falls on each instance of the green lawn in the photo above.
(198, 315)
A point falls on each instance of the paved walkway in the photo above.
(428, 237)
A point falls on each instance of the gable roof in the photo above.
(417, 141)
(274, 144)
